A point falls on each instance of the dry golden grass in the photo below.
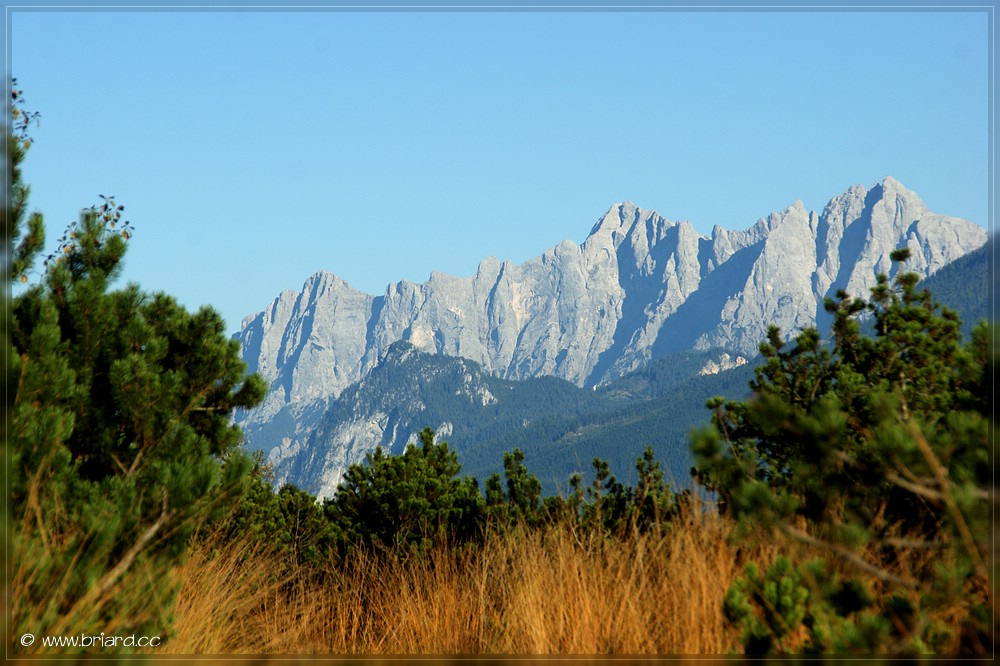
(546, 591)
(538, 592)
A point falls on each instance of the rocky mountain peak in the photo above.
(618, 219)
(891, 185)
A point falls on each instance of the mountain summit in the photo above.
(638, 287)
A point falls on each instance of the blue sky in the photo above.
(254, 148)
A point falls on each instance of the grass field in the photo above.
(541, 592)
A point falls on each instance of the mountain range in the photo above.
(639, 289)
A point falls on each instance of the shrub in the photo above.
(407, 502)
(875, 450)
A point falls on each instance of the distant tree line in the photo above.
(406, 504)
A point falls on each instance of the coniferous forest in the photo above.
(843, 504)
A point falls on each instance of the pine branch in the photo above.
(942, 478)
(111, 577)
(848, 555)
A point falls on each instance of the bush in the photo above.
(406, 503)
(875, 450)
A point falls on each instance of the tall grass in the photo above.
(541, 591)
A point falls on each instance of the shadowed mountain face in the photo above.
(639, 287)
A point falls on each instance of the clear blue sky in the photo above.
(254, 148)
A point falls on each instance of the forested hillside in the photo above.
(656, 407)
(559, 427)
(964, 286)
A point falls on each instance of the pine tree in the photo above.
(406, 503)
(875, 449)
(522, 502)
(119, 427)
